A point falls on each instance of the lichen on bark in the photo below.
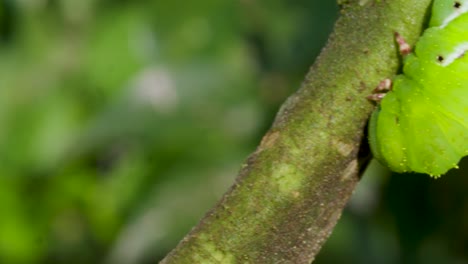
(291, 191)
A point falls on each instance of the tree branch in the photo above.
(292, 189)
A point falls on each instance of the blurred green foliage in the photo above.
(122, 122)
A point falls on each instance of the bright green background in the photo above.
(122, 122)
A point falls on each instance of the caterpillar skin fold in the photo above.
(421, 124)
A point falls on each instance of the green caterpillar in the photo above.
(421, 124)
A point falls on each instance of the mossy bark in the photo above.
(291, 191)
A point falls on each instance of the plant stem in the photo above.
(291, 191)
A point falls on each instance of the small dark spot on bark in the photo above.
(362, 86)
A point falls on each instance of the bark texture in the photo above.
(291, 191)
